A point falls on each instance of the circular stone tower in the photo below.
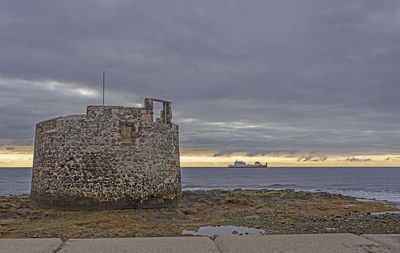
(113, 157)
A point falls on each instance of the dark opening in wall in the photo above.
(157, 111)
(160, 111)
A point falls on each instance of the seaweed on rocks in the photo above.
(277, 212)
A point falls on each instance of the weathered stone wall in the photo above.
(112, 157)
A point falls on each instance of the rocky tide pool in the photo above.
(224, 231)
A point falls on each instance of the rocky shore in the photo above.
(277, 212)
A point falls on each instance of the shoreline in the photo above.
(194, 189)
(395, 204)
(275, 211)
(364, 199)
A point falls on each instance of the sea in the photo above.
(376, 183)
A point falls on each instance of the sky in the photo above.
(294, 83)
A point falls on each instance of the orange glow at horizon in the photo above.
(23, 157)
(293, 160)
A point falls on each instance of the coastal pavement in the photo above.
(391, 241)
(145, 245)
(31, 245)
(329, 243)
(301, 243)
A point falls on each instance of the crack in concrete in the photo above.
(59, 247)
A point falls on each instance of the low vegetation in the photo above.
(277, 212)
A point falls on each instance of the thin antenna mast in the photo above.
(104, 78)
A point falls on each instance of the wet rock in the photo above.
(204, 208)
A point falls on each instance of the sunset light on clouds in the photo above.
(22, 156)
(292, 83)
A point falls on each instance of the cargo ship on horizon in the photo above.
(241, 164)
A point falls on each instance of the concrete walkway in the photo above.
(330, 243)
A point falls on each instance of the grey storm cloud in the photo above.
(305, 158)
(244, 76)
(312, 158)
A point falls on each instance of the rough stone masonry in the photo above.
(113, 157)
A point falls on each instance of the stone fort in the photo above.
(112, 157)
